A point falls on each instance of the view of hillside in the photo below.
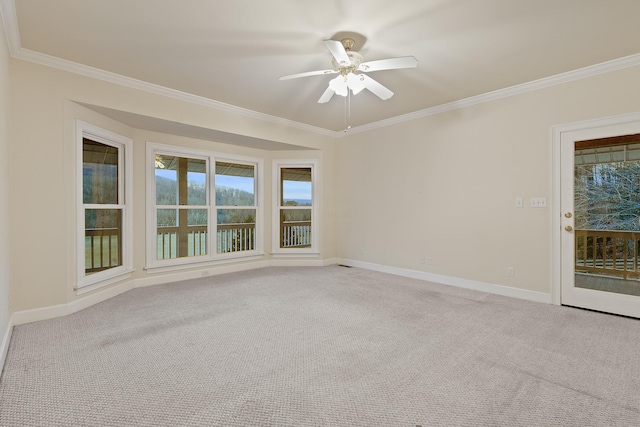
(167, 194)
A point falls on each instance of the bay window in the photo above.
(202, 206)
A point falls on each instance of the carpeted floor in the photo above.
(329, 346)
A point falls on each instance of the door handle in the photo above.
(568, 228)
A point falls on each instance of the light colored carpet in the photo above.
(322, 346)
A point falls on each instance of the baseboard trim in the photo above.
(196, 274)
(45, 313)
(453, 281)
(6, 339)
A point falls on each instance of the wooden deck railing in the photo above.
(196, 243)
(607, 252)
(102, 249)
(295, 234)
(235, 238)
(229, 238)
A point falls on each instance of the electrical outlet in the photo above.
(429, 261)
(510, 272)
(423, 260)
(538, 202)
(519, 202)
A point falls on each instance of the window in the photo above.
(182, 208)
(296, 207)
(104, 207)
(235, 207)
(202, 206)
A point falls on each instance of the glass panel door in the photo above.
(600, 208)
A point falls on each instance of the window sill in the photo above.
(220, 260)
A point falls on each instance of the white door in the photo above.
(600, 224)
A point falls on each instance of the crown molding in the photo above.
(581, 73)
(10, 21)
(9, 17)
(84, 70)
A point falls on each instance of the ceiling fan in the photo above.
(346, 62)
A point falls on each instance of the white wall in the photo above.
(44, 109)
(5, 264)
(444, 186)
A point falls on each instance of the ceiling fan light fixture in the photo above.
(355, 83)
(339, 85)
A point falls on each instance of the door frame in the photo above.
(596, 125)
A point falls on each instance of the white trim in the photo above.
(556, 182)
(125, 203)
(581, 73)
(44, 313)
(7, 9)
(153, 265)
(475, 285)
(209, 263)
(331, 261)
(296, 263)
(107, 76)
(102, 283)
(10, 20)
(4, 345)
(277, 165)
(295, 254)
(196, 274)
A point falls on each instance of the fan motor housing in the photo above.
(354, 57)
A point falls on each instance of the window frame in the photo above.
(86, 283)
(212, 257)
(278, 165)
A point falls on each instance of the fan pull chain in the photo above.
(347, 111)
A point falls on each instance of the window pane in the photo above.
(166, 186)
(236, 230)
(102, 238)
(182, 233)
(295, 186)
(99, 173)
(180, 180)
(197, 182)
(235, 185)
(167, 218)
(295, 228)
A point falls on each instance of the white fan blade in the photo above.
(307, 74)
(338, 52)
(389, 64)
(375, 87)
(326, 96)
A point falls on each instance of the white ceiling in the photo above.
(233, 51)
